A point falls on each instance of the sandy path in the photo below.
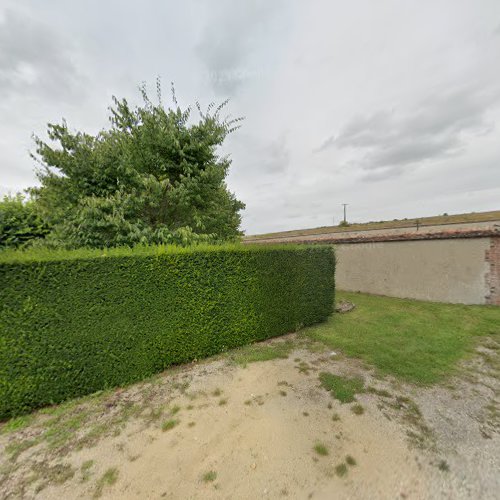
(256, 427)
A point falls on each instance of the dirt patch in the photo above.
(268, 429)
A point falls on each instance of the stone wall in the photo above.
(458, 270)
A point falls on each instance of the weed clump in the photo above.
(342, 388)
(321, 449)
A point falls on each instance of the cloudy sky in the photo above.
(391, 106)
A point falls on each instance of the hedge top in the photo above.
(53, 255)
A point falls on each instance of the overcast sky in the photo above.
(390, 106)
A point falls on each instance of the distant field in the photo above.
(423, 221)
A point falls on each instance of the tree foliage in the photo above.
(20, 222)
(155, 176)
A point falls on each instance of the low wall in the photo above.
(461, 270)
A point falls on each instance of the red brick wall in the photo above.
(493, 276)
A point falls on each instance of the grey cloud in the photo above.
(33, 59)
(389, 141)
(276, 156)
(233, 33)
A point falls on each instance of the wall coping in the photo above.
(413, 236)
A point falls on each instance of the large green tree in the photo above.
(155, 176)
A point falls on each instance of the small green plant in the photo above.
(169, 424)
(209, 476)
(248, 402)
(85, 469)
(357, 409)
(217, 392)
(321, 449)
(303, 367)
(342, 388)
(223, 402)
(191, 424)
(283, 393)
(175, 409)
(107, 479)
(443, 466)
(341, 469)
(350, 460)
(335, 417)
(305, 413)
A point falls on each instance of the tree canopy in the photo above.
(154, 176)
(20, 222)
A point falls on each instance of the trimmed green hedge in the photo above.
(76, 322)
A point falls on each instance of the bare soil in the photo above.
(217, 429)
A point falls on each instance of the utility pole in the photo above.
(344, 205)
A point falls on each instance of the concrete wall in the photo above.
(451, 270)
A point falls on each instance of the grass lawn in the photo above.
(417, 341)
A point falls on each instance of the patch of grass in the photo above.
(357, 409)
(342, 388)
(303, 367)
(305, 413)
(341, 469)
(223, 402)
(50, 474)
(209, 476)
(16, 424)
(85, 469)
(191, 424)
(321, 449)
(181, 386)
(335, 417)
(169, 424)
(248, 402)
(261, 352)
(107, 479)
(15, 448)
(283, 393)
(93, 436)
(217, 392)
(350, 460)
(416, 341)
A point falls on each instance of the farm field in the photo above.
(395, 399)
(467, 218)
